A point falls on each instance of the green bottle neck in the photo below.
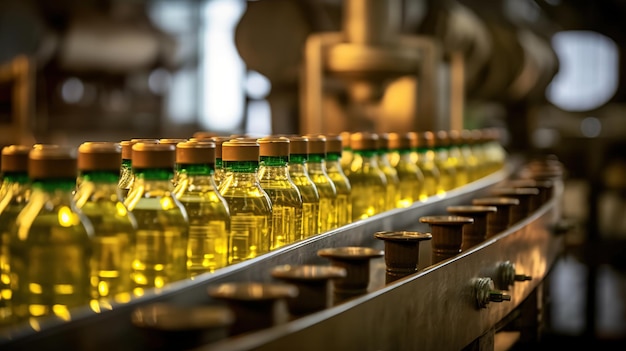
(333, 156)
(58, 184)
(241, 166)
(100, 176)
(316, 158)
(298, 159)
(200, 169)
(156, 174)
(16, 177)
(274, 161)
(218, 163)
(366, 154)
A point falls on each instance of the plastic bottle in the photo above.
(334, 146)
(425, 160)
(127, 176)
(162, 223)
(456, 157)
(471, 160)
(113, 243)
(283, 192)
(325, 186)
(392, 195)
(298, 156)
(207, 210)
(410, 177)
(250, 206)
(445, 164)
(219, 174)
(346, 152)
(51, 246)
(367, 180)
(14, 194)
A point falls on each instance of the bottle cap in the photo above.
(99, 156)
(442, 138)
(345, 139)
(273, 146)
(298, 145)
(202, 134)
(171, 141)
(127, 146)
(219, 140)
(402, 140)
(240, 150)
(317, 144)
(334, 143)
(364, 141)
(49, 161)
(14, 158)
(152, 155)
(195, 152)
(383, 141)
(455, 137)
(426, 139)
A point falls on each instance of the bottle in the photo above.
(298, 156)
(391, 193)
(495, 153)
(425, 161)
(334, 146)
(456, 158)
(410, 177)
(174, 142)
(50, 247)
(368, 182)
(207, 210)
(473, 166)
(219, 174)
(284, 194)
(325, 186)
(162, 222)
(127, 176)
(14, 194)
(445, 164)
(250, 206)
(346, 152)
(113, 243)
(478, 149)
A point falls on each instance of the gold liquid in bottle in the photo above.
(162, 222)
(456, 157)
(14, 194)
(174, 142)
(220, 173)
(368, 182)
(286, 200)
(127, 176)
(325, 186)
(207, 210)
(298, 156)
(51, 245)
(410, 177)
(334, 146)
(425, 161)
(113, 243)
(495, 153)
(346, 152)
(471, 160)
(392, 196)
(250, 206)
(445, 163)
(478, 149)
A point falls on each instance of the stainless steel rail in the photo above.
(406, 314)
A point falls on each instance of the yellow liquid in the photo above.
(410, 183)
(162, 239)
(369, 186)
(50, 253)
(456, 158)
(310, 218)
(328, 199)
(473, 170)
(310, 200)
(209, 225)
(426, 164)
(344, 190)
(447, 171)
(392, 195)
(7, 221)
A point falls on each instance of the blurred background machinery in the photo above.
(548, 72)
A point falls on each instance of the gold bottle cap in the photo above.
(195, 152)
(14, 158)
(240, 150)
(273, 146)
(99, 156)
(402, 140)
(364, 141)
(477, 136)
(334, 143)
(345, 139)
(49, 161)
(298, 145)
(127, 146)
(171, 141)
(219, 140)
(442, 138)
(455, 137)
(383, 141)
(152, 155)
(203, 134)
(317, 144)
(466, 137)
(426, 139)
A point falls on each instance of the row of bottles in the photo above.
(115, 219)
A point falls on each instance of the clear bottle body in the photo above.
(447, 169)
(327, 192)
(369, 185)
(113, 242)
(209, 219)
(14, 194)
(410, 179)
(250, 211)
(461, 172)
(310, 197)
(473, 166)
(425, 161)
(162, 230)
(286, 200)
(392, 195)
(126, 178)
(50, 253)
(342, 186)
